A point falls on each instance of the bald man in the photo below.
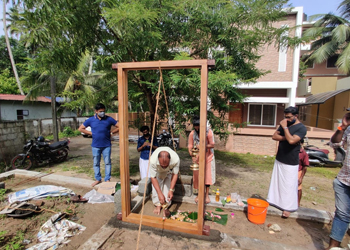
(164, 170)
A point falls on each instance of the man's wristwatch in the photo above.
(285, 128)
(172, 190)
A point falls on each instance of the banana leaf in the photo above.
(218, 218)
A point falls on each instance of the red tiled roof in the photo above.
(10, 97)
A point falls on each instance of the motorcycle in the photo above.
(39, 151)
(165, 139)
(319, 157)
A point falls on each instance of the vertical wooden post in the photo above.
(202, 146)
(124, 140)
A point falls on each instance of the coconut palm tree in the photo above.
(10, 50)
(331, 35)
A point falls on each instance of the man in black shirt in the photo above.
(283, 191)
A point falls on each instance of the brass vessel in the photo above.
(195, 151)
(194, 165)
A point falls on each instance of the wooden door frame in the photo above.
(197, 228)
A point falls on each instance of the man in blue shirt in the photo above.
(144, 146)
(101, 140)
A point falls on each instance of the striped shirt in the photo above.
(344, 173)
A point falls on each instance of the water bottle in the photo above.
(217, 196)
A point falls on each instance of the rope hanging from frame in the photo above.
(161, 83)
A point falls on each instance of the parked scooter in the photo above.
(39, 151)
(164, 139)
(319, 157)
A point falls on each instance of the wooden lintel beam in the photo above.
(154, 65)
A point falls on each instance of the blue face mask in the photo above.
(291, 123)
(101, 114)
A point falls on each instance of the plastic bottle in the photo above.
(217, 196)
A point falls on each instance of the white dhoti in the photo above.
(283, 191)
(213, 171)
(164, 185)
(143, 165)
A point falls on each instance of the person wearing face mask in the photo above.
(144, 146)
(101, 125)
(283, 191)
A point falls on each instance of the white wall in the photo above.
(343, 83)
(37, 110)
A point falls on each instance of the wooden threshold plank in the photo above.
(98, 238)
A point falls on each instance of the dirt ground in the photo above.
(230, 178)
(81, 213)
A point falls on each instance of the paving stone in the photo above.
(141, 189)
(118, 202)
(183, 190)
(185, 179)
(61, 180)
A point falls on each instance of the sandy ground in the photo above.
(230, 178)
(88, 215)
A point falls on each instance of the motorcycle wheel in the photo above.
(62, 155)
(18, 163)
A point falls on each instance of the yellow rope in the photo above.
(150, 152)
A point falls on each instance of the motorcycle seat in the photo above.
(42, 144)
(58, 144)
(322, 150)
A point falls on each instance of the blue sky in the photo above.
(311, 7)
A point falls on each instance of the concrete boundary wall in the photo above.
(14, 134)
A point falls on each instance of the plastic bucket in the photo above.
(257, 210)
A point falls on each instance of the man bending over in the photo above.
(164, 169)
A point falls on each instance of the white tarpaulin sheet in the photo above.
(51, 235)
(39, 192)
(95, 197)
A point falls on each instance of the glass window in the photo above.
(21, 114)
(331, 61)
(262, 114)
(255, 114)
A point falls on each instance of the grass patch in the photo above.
(67, 132)
(258, 162)
(329, 173)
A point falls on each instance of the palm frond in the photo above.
(343, 62)
(324, 52)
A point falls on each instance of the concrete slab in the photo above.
(302, 213)
(240, 242)
(181, 190)
(185, 179)
(215, 235)
(142, 186)
(61, 180)
(98, 238)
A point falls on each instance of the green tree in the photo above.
(19, 55)
(9, 49)
(231, 32)
(331, 35)
(8, 83)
